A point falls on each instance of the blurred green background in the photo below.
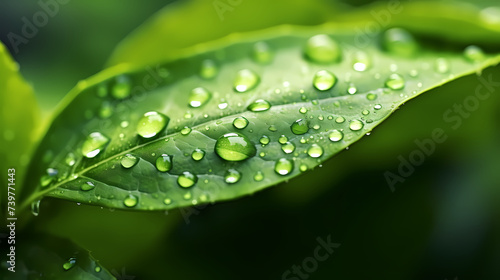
(443, 222)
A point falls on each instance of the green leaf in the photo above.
(216, 145)
(19, 119)
(53, 258)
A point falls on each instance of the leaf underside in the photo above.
(285, 82)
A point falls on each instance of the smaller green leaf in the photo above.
(51, 257)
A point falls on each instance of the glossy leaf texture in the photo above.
(246, 114)
(19, 120)
(48, 257)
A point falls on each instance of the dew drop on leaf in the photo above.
(361, 61)
(129, 160)
(186, 130)
(187, 179)
(400, 42)
(261, 53)
(130, 201)
(70, 263)
(49, 177)
(288, 147)
(70, 159)
(232, 176)
(240, 122)
(198, 154)
(340, 120)
(151, 123)
(35, 207)
(377, 107)
(303, 168)
(283, 139)
(259, 105)
(97, 269)
(163, 163)
(335, 135)
(167, 201)
(94, 144)
(355, 125)
(264, 140)
(474, 53)
(395, 82)
(315, 151)
(324, 80)
(299, 127)
(322, 49)
(208, 69)
(87, 186)
(303, 110)
(442, 66)
(198, 97)
(245, 80)
(283, 166)
(121, 88)
(371, 96)
(234, 147)
(106, 110)
(351, 89)
(259, 176)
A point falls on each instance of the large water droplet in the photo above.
(187, 179)
(199, 96)
(259, 105)
(395, 82)
(264, 140)
(151, 124)
(208, 69)
(234, 147)
(94, 144)
(335, 135)
(324, 80)
(303, 110)
(164, 163)
(186, 130)
(262, 53)
(300, 127)
(121, 89)
(361, 61)
(70, 263)
(245, 80)
(474, 53)
(283, 139)
(232, 176)
(355, 125)
(400, 42)
(131, 200)
(198, 154)
(322, 49)
(129, 160)
(315, 151)
(283, 166)
(240, 122)
(87, 186)
(288, 147)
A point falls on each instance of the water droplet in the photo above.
(371, 96)
(35, 207)
(167, 201)
(303, 168)
(245, 80)
(70, 159)
(300, 127)
(234, 147)
(324, 80)
(400, 42)
(335, 135)
(87, 186)
(283, 166)
(272, 128)
(340, 120)
(186, 130)
(288, 147)
(315, 151)
(198, 97)
(124, 124)
(151, 124)
(355, 125)
(70, 263)
(377, 106)
(240, 122)
(262, 53)
(474, 53)
(322, 49)
(259, 176)
(232, 176)
(97, 269)
(187, 179)
(303, 110)
(129, 160)
(94, 144)
(361, 61)
(208, 69)
(106, 110)
(131, 200)
(442, 66)
(259, 105)
(198, 154)
(264, 140)
(121, 89)
(351, 89)
(283, 139)
(164, 163)
(395, 82)
(365, 112)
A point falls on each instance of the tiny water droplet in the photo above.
(94, 144)
(70, 263)
(303, 168)
(187, 179)
(340, 120)
(335, 135)
(442, 66)
(395, 82)
(87, 186)
(315, 151)
(365, 112)
(264, 140)
(377, 107)
(259, 176)
(129, 161)
(240, 122)
(324, 80)
(124, 124)
(186, 130)
(198, 154)
(283, 139)
(322, 49)
(361, 61)
(371, 96)
(355, 125)
(300, 127)
(163, 163)
(303, 110)
(272, 128)
(351, 89)
(232, 176)
(121, 88)
(259, 105)
(106, 110)
(151, 123)
(198, 97)
(167, 201)
(97, 269)
(208, 69)
(283, 166)
(130, 201)
(245, 80)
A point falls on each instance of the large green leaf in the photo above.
(19, 119)
(48, 257)
(101, 104)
